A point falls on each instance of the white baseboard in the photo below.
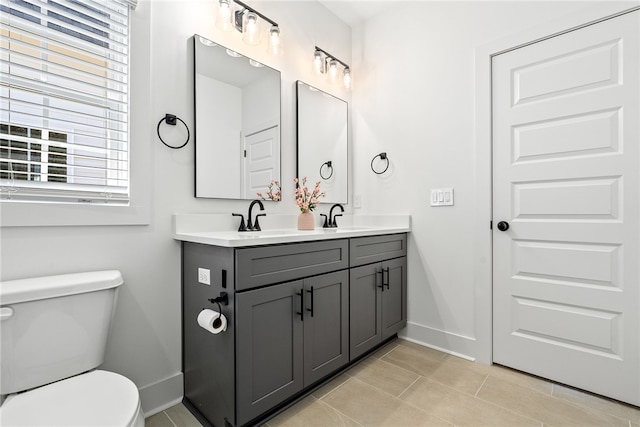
(161, 395)
(447, 342)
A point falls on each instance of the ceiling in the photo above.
(354, 12)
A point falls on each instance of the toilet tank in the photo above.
(54, 327)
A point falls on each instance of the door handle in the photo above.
(383, 281)
(381, 273)
(312, 305)
(301, 312)
(503, 226)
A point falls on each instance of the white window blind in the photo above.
(64, 97)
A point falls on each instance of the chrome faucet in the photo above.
(250, 225)
(332, 218)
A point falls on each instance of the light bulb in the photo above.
(346, 78)
(223, 22)
(251, 30)
(333, 70)
(275, 41)
(318, 62)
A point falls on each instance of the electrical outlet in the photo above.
(357, 201)
(204, 276)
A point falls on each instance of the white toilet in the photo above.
(53, 333)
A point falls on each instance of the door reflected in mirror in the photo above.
(322, 141)
(237, 123)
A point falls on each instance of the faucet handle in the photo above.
(256, 225)
(324, 225)
(242, 226)
(335, 224)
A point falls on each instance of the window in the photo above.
(64, 121)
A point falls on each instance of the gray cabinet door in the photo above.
(269, 348)
(394, 296)
(326, 330)
(365, 326)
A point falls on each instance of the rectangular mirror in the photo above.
(322, 141)
(237, 123)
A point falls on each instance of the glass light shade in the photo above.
(333, 70)
(251, 29)
(318, 63)
(275, 41)
(346, 78)
(223, 20)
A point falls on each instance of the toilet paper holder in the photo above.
(222, 299)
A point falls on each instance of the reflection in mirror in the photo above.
(322, 141)
(237, 123)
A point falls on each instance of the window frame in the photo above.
(137, 212)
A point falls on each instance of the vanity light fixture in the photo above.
(325, 63)
(346, 78)
(250, 29)
(223, 20)
(248, 21)
(275, 42)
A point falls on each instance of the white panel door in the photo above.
(565, 178)
(261, 161)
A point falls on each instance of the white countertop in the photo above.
(217, 229)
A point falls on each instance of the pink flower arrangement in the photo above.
(305, 199)
(272, 192)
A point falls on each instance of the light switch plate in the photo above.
(442, 197)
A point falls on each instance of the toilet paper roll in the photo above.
(212, 321)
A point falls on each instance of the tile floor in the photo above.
(404, 384)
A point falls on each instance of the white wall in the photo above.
(145, 343)
(414, 98)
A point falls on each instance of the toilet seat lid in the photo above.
(97, 398)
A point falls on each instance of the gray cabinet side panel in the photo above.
(364, 309)
(269, 337)
(326, 325)
(264, 265)
(367, 250)
(394, 297)
(208, 359)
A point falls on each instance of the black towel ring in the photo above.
(383, 156)
(171, 120)
(330, 167)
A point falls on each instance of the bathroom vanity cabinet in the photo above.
(297, 313)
